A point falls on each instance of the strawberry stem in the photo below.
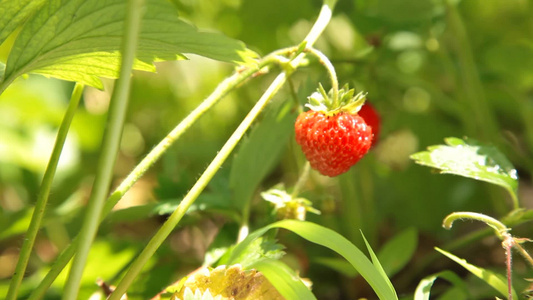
(324, 60)
(301, 180)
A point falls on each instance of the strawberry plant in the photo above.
(147, 158)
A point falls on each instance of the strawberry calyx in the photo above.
(346, 101)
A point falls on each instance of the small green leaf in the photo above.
(469, 158)
(288, 284)
(79, 40)
(377, 264)
(259, 153)
(424, 287)
(496, 281)
(329, 239)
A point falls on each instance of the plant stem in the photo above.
(514, 198)
(318, 27)
(323, 59)
(196, 190)
(110, 147)
(507, 245)
(524, 253)
(301, 180)
(320, 24)
(44, 193)
(498, 226)
(461, 242)
(222, 90)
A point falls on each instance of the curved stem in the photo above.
(514, 198)
(324, 60)
(461, 242)
(498, 226)
(110, 146)
(44, 192)
(524, 253)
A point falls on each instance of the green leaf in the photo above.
(79, 40)
(496, 281)
(288, 284)
(260, 249)
(259, 153)
(469, 158)
(14, 13)
(393, 256)
(377, 264)
(329, 239)
(397, 252)
(424, 287)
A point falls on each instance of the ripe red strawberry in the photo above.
(332, 135)
(372, 118)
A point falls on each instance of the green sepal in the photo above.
(323, 102)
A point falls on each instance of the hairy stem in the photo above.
(44, 192)
(523, 252)
(110, 146)
(323, 59)
(498, 226)
(508, 245)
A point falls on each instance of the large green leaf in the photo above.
(470, 159)
(330, 239)
(496, 281)
(260, 151)
(14, 13)
(79, 40)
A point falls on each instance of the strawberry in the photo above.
(332, 135)
(372, 118)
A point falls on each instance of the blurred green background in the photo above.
(433, 69)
